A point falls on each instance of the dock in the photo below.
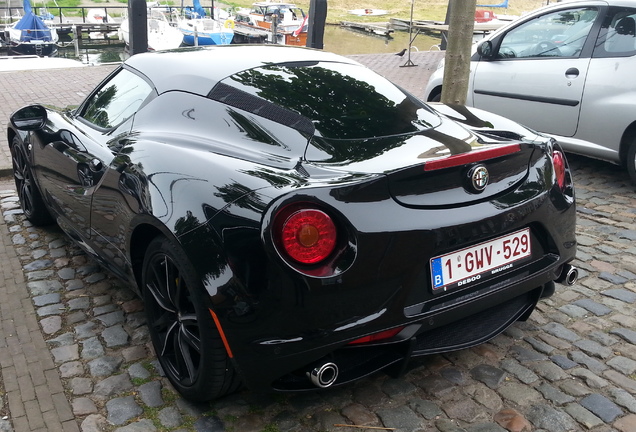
(437, 26)
(379, 29)
(245, 34)
(486, 27)
(416, 27)
(404, 24)
(86, 34)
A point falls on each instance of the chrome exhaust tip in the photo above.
(324, 376)
(569, 275)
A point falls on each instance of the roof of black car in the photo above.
(198, 70)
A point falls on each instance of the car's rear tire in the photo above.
(186, 340)
(31, 200)
(630, 161)
(437, 97)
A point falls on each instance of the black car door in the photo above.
(70, 166)
(85, 150)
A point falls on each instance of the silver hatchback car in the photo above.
(568, 70)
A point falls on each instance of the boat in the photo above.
(206, 31)
(368, 12)
(160, 7)
(31, 36)
(98, 16)
(161, 34)
(199, 29)
(46, 16)
(194, 11)
(284, 23)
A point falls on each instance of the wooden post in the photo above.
(138, 26)
(77, 35)
(317, 20)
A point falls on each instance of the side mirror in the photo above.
(485, 50)
(30, 118)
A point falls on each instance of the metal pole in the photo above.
(409, 62)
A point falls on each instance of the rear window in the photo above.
(332, 100)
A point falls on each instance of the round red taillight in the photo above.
(558, 160)
(308, 236)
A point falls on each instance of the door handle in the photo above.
(572, 73)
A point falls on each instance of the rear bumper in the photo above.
(462, 326)
(356, 362)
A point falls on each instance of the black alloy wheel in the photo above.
(31, 200)
(186, 341)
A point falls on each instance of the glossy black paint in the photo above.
(209, 172)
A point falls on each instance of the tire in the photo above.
(630, 162)
(437, 97)
(31, 200)
(186, 340)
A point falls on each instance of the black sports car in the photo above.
(293, 220)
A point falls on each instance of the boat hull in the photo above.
(192, 39)
(161, 35)
(300, 40)
(38, 49)
(31, 36)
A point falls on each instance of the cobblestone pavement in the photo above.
(75, 353)
(570, 367)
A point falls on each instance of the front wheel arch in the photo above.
(435, 95)
(31, 199)
(628, 151)
(630, 161)
(140, 239)
(190, 347)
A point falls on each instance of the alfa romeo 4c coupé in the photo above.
(295, 221)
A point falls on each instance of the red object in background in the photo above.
(482, 15)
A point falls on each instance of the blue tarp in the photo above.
(198, 9)
(33, 28)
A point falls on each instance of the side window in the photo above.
(617, 37)
(557, 34)
(116, 100)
